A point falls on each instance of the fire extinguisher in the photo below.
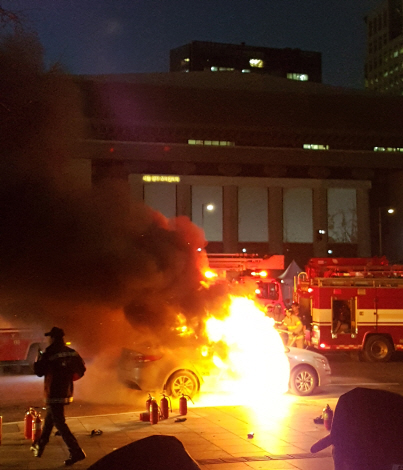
(327, 417)
(148, 403)
(36, 427)
(154, 412)
(28, 423)
(164, 406)
(183, 404)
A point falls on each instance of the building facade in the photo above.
(262, 164)
(384, 55)
(294, 64)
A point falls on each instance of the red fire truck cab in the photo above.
(355, 304)
(19, 346)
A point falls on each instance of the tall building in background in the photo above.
(294, 64)
(384, 56)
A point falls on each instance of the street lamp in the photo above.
(208, 207)
(389, 210)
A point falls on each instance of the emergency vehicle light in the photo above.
(259, 274)
(310, 290)
(322, 345)
(258, 291)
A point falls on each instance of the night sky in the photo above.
(135, 36)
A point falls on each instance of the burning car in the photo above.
(188, 371)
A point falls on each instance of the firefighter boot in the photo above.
(75, 457)
(37, 449)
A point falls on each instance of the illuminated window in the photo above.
(253, 215)
(297, 215)
(315, 147)
(256, 63)
(209, 221)
(302, 77)
(214, 68)
(187, 59)
(220, 143)
(161, 197)
(245, 71)
(342, 215)
(388, 149)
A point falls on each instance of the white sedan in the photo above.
(308, 371)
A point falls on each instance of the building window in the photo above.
(220, 143)
(214, 68)
(161, 197)
(302, 77)
(253, 214)
(342, 215)
(388, 149)
(209, 220)
(256, 63)
(297, 215)
(315, 147)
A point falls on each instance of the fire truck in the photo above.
(257, 274)
(19, 346)
(355, 304)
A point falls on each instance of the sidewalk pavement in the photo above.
(216, 437)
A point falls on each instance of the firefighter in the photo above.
(343, 321)
(277, 314)
(305, 318)
(295, 329)
(60, 365)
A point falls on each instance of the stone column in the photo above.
(136, 188)
(363, 224)
(320, 222)
(230, 219)
(184, 200)
(276, 220)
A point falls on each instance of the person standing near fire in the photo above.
(295, 329)
(61, 366)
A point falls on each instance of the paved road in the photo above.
(100, 393)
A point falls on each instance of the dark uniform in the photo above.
(60, 365)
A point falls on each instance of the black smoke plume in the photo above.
(74, 256)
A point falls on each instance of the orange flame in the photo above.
(254, 359)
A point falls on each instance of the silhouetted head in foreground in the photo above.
(366, 432)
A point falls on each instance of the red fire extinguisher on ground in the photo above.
(183, 404)
(327, 417)
(28, 423)
(36, 427)
(148, 403)
(154, 412)
(164, 406)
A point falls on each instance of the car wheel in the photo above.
(181, 383)
(378, 349)
(303, 380)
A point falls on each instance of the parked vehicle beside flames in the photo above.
(19, 346)
(355, 305)
(186, 371)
